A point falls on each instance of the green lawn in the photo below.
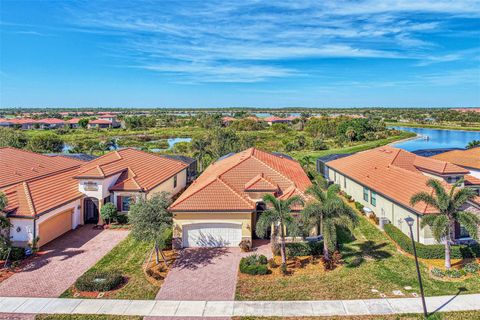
(445, 126)
(127, 257)
(371, 262)
(352, 149)
(471, 315)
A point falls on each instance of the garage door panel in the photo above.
(212, 235)
(54, 227)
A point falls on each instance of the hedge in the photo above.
(433, 251)
(254, 264)
(99, 281)
(301, 249)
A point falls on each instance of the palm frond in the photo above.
(440, 227)
(469, 221)
(265, 221)
(425, 198)
(463, 195)
(428, 220)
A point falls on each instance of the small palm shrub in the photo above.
(472, 267)
(359, 207)
(454, 273)
(437, 273)
(254, 265)
(99, 281)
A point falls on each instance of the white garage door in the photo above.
(212, 235)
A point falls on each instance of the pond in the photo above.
(436, 138)
(171, 143)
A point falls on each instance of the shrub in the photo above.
(17, 254)
(472, 267)
(99, 281)
(433, 251)
(109, 212)
(254, 265)
(245, 245)
(454, 273)
(319, 145)
(122, 218)
(301, 249)
(437, 273)
(359, 206)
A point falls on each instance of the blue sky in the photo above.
(240, 53)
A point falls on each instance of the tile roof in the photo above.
(393, 172)
(100, 121)
(49, 189)
(18, 165)
(39, 195)
(222, 185)
(466, 158)
(471, 180)
(148, 169)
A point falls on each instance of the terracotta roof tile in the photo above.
(18, 165)
(222, 185)
(466, 158)
(150, 169)
(392, 172)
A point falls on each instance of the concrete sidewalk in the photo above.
(154, 308)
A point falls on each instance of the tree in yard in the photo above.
(200, 147)
(279, 215)
(473, 144)
(83, 123)
(109, 212)
(151, 221)
(4, 224)
(223, 141)
(327, 213)
(448, 203)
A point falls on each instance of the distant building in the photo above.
(99, 124)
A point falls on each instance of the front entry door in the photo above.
(91, 211)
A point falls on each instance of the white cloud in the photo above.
(245, 41)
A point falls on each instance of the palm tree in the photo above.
(327, 213)
(200, 151)
(280, 216)
(473, 144)
(4, 223)
(448, 204)
(350, 133)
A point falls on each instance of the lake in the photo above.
(437, 138)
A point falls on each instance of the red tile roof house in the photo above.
(222, 206)
(273, 119)
(110, 117)
(384, 179)
(48, 196)
(99, 124)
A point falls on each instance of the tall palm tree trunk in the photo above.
(448, 263)
(283, 250)
(326, 254)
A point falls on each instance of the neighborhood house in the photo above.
(222, 206)
(50, 195)
(384, 180)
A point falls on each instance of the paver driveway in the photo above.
(206, 274)
(62, 262)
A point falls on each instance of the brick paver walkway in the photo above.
(62, 261)
(206, 274)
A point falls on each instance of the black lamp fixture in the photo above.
(410, 221)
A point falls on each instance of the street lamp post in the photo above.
(410, 222)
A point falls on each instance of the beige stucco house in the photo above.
(384, 179)
(48, 196)
(222, 206)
